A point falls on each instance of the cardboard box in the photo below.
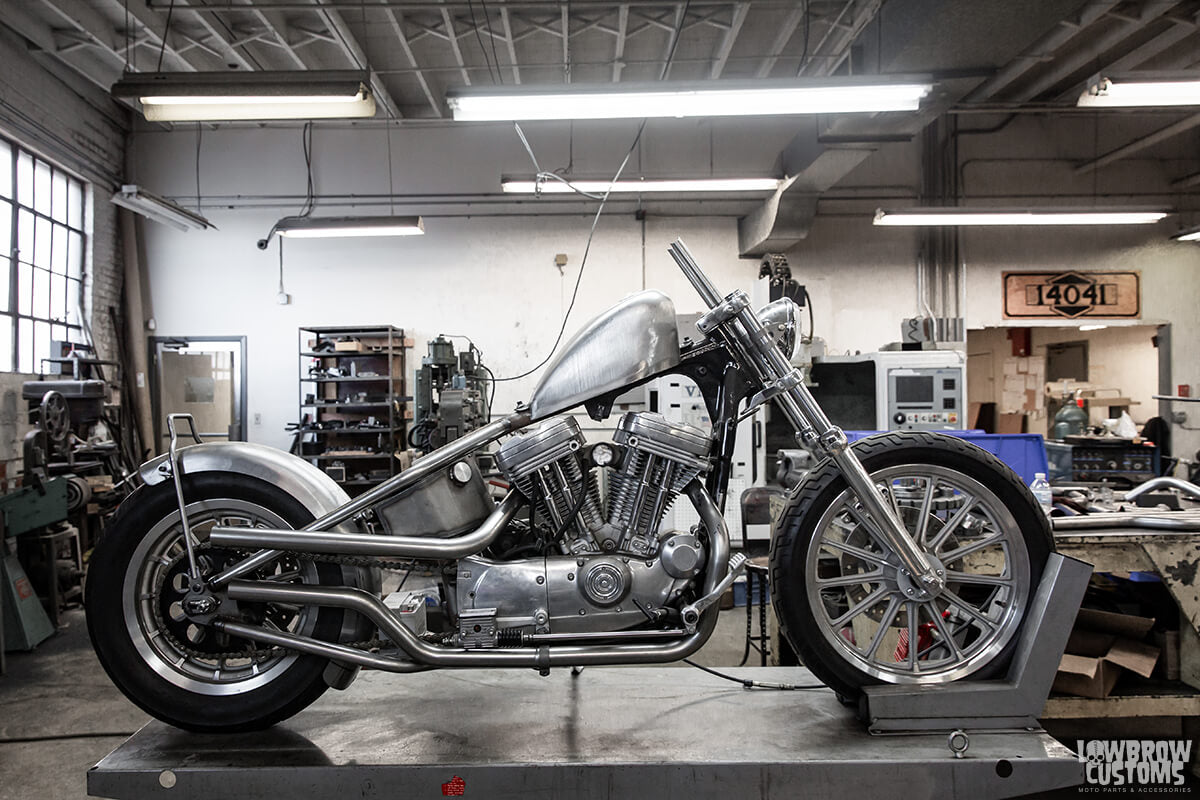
(1126, 625)
(350, 347)
(1085, 677)
(1010, 423)
(1102, 646)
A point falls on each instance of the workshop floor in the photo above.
(59, 713)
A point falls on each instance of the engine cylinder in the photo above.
(662, 457)
(543, 463)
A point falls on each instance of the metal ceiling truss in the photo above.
(1101, 35)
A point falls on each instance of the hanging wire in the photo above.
(166, 31)
(310, 196)
(387, 128)
(487, 20)
(599, 211)
(479, 39)
(281, 291)
(199, 137)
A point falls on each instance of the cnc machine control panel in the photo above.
(925, 399)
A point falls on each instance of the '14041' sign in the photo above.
(1054, 295)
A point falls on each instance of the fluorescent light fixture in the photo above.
(296, 94)
(679, 185)
(936, 216)
(1188, 235)
(1142, 89)
(159, 209)
(691, 99)
(1092, 327)
(331, 227)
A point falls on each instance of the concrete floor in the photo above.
(60, 714)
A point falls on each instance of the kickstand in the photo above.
(576, 671)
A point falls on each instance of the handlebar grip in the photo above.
(691, 270)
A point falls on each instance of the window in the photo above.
(41, 270)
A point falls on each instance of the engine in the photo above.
(615, 568)
(659, 458)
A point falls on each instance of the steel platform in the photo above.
(653, 732)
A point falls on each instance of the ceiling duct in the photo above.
(907, 36)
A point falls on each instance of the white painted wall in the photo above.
(491, 279)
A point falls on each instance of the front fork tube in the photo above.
(814, 430)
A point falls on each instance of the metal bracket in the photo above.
(778, 387)
(724, 311)
(1016, 701)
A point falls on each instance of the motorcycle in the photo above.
(239, 582)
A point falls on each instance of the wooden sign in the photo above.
(1055, 295)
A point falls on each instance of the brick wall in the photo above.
(68, 120)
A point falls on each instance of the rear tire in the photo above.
(143, 640)
(841, 601)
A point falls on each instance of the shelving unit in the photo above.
(354, 407)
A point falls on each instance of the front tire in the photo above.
(187, 675)
(852, 615)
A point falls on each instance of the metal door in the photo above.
(203, 376)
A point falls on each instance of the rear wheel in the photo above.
(853, 615)
(190, 675)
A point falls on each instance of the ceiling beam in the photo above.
(357, 57)
(397, 25)
(234, 54)
(452, 38)
(672, 43)
(155, 27)
(846, 33)
(1160, 135)
(565, 14)
(41, 37)
(619, 54)
(1041, 51)
(90, 22)
(1095, 49)
(1179, 30)
(1187, 181)
(510, 43)
(735, 27)
(790, 23)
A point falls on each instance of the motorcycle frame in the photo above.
(737, 343)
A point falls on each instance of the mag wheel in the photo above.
(851, 612)
(189, 675)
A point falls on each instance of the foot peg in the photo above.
(691, 613)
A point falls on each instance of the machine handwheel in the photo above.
(851, 612)
(55, 417)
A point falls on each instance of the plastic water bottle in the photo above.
(1041, 490)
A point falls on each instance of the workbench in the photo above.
(621, 732)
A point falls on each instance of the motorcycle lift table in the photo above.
(632, 732)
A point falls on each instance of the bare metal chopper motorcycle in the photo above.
(239, 582)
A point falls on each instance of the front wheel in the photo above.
(850, 611)
(188, 675)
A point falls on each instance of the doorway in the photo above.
(204, 376)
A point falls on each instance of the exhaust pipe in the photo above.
(428, 655)
(363, 544)
(305, 644)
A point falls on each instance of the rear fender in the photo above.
(312, 488)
